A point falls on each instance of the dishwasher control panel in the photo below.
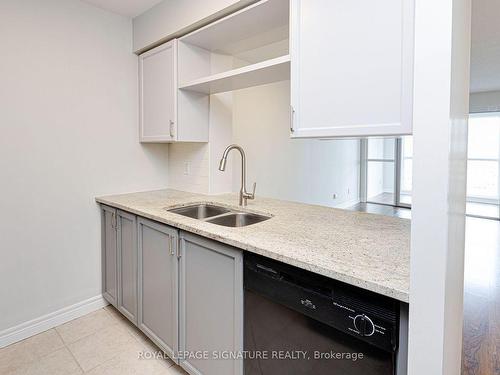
(354, 311)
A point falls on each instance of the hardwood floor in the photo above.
(481, 336)
(380, 209)
(481, 345)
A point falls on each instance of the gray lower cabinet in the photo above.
(185, 292)
(119, 260)
(158, 284)
(126, 229)
(211, 305)
(109, 255)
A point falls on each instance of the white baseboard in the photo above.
(45, 322)
(347, 204)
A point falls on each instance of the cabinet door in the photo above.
(351, 67)
(109, 252)
(127, 264)
(211, 304)
(158, 284)
(158, 93)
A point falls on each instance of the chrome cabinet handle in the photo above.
(171, 128)
(292, 113)
(171, 246)
(179, 254)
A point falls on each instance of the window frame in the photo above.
(398, 165)
(397, 160)
(479, 199)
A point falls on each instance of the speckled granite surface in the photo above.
(366, 250)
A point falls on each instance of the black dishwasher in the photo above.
(298, 322)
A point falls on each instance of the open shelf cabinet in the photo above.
(273, 70)
(247, 48)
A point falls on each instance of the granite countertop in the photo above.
(366, 250)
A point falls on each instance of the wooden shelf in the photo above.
(273, 70)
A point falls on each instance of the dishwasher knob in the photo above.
(364, 325)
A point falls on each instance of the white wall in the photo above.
(188, 167)
(375, 183)
(304, 170)
(488, 101)
(389, 145)
(485, 46)
(68, 118)
(441, 93)
(171, 19)
(194, 166)
(258, 118)
(380, 174)
(221, 135)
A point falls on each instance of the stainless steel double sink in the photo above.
(219, 215)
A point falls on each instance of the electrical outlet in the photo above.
(187, 168)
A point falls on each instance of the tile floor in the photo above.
(100, 343)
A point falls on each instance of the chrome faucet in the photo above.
(244, 195)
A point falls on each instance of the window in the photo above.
(406, 170)
(386, 168)
(483, 165)
(387, 171)
(380, 171)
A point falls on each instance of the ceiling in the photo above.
(485, 50)
(129, 8)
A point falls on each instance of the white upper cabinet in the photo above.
(158, 100)
(351, 67)
(157, 93)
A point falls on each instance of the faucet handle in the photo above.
(244, 195)
(253, 190)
